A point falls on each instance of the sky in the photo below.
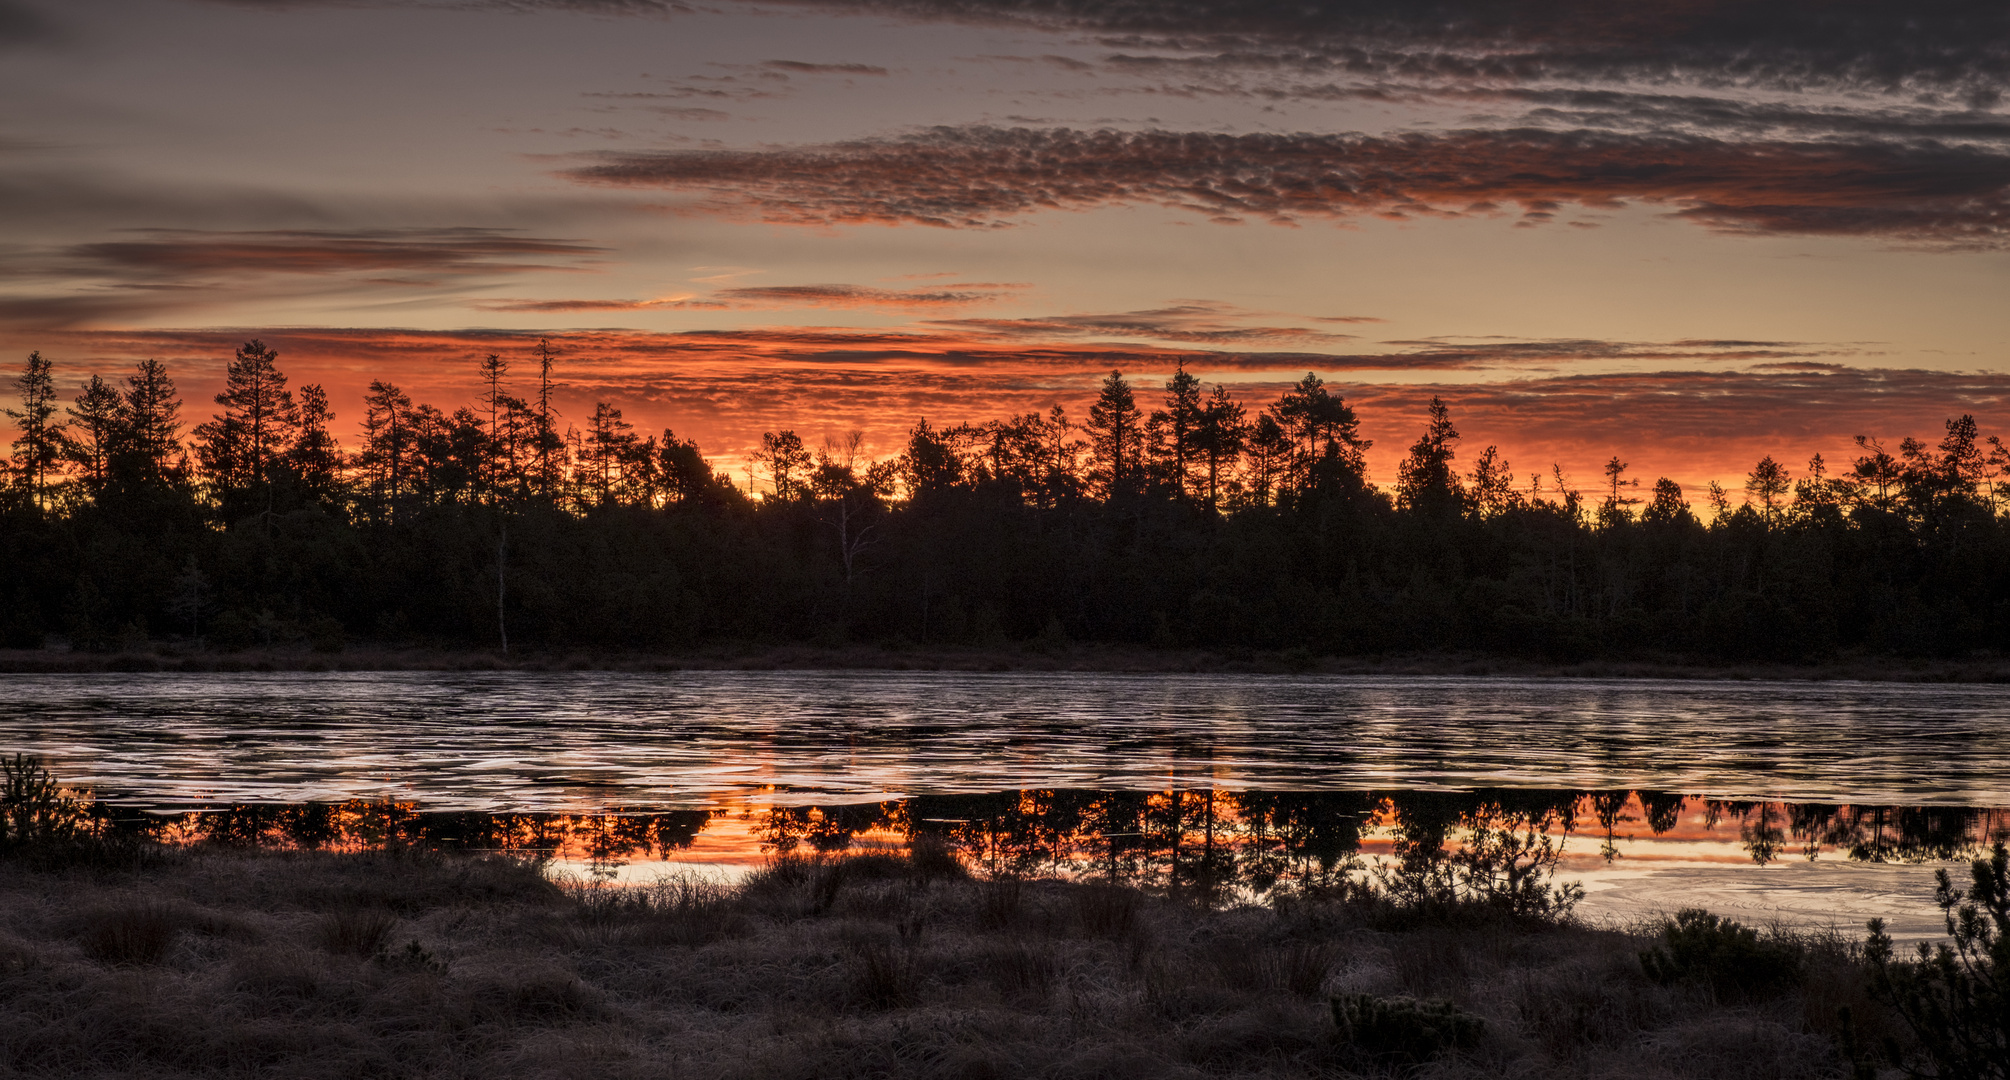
(1684, 232)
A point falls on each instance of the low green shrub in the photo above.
(1729, 957)
(1405, 1028)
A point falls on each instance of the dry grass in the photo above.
(227, 964)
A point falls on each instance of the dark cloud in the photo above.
(801, 68)
(1923, 191)
(861, 296)
(21, 25)
(426, 253)
(567, 306)
(1962, 45)
(1190, 323)
(173, 270)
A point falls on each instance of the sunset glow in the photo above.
(1691, 236)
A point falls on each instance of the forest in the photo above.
(1167, 517)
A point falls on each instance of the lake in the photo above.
(1813, 803)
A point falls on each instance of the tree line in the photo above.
(1183, 519)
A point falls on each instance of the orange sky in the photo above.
(725, 389)
(1686, 234)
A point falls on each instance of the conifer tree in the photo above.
(1178, 426)
(1219, 439)
(238, 449)
(315, 456)
(1116, 439)
(38, 450)
(1424, 480)
(98, 418)
(147, 450)
(1325, 436)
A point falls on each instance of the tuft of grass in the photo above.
(881, 978)
(356, 932)
(1106, 911)
(135, 934)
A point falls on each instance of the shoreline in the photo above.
(1080, 658)
(903, 968)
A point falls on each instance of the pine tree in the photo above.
(385, 459)
(1425, 481)
(1325, 435)
(609, 450)
(1767, 482)
(147, 451)
(546, 446)
(315, 457)
(1116, 439)
(1178, 426)
(1220, 437)
(238, 449)
(99, 420)
(38, 450)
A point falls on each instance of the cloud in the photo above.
(162, 271)
(979, 177)
(1957, 45)
(429, 253)
(560, 306)
(1196, 322)
(863, 296)
(800, 68)
(20, 25)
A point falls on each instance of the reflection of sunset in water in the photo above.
(1251, 842)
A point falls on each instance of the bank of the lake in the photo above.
(1070, 657)
(219, 963)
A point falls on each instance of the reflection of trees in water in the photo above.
(1200, 843)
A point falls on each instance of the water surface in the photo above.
(576, 741)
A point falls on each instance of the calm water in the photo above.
(1820, 803)
(580, 741)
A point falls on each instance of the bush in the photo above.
(1405, 1028)
(1956, 999)
(1727, 956)
(33, 809)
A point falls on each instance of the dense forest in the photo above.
(1173, 517)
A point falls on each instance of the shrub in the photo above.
(1729, 957)
(34, 811)
(1956, 999)
(1405, 1028)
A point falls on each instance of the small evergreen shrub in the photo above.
(1955, 998)
(1728, 956)
(1405, 1028)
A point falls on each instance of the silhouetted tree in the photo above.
(1425, 480)
(38, 449)
(1767, 482)
(238, 449)
(1116, 439)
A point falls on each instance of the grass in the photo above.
(215, 963)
